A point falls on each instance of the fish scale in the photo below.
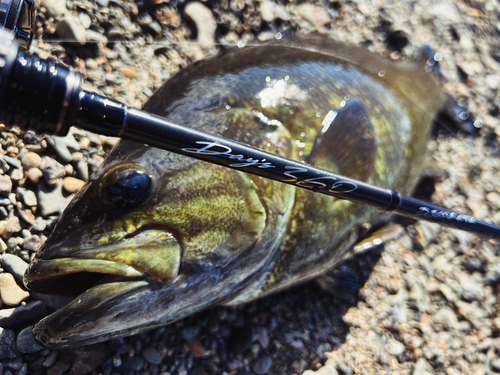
(207, 235)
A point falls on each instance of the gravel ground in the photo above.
(428, 303)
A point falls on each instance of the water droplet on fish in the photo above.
(228, 107)
(337, 68)
(438, 56)
(241, 44)
(268, 145)
(278, 36)
(347, 97)
(303, 134)
(318, 114)
(381, 73)
(287, 78)
(303, 76)
(343, 103)
(301, 153)
(268, 79)
(242, 202)
(478, 124)
(463, 116)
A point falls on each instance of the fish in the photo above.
(155, 236)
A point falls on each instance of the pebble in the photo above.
(59, 367)
(51, 359)
(325, 370)
(395, 347)
(39, 225)
(11, 227)
(23, 315)
(5, 185)
(132, 364)
(4, 167)
(51, 199)
(52, 301)
(26, 342)
(13, 162)
(56, 9)
(190, 333)
(14, 265)
(72, 185)
(31, 160)
(29, 198)
(88, 358)
(7, 344)
(197, 349)
(151, 355)
(262, 365)
(317, 15)
(34, 175)
(72, 30)
(204, 21)
(32, 244)
(11, 293)
(52, 170)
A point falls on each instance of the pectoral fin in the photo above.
(348, 142)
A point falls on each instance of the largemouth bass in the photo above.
(155, 236)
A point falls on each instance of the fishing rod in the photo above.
(38, 94)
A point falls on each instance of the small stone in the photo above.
(196, 348)
(3, 213)
(11, 293)
(325, 370)
(88, 358)
(51, 359)
(39, 225)
(27, 215)
(132, 364)
(52, 301)
(72, 185)
(151, 355)
(129, 71)
(55, 8)
(11, 227)
(267, 11)
(3, 246)
(495, 365)
(262, 365)
(190, 333)
(29, 198)
(262, 336)
(4, 166)
(34, 175)
(23, 315)
(16, 174)
(7, 344)
(32, 244)
(14, 265)
(71, 29)
(316, 15)
(59, 367)
(51, 200)
(31, 160)
(13, 162)
(52, 170)
(204, 21)
(26, 342)
(5, 185)
(395, 347)
(446, 13)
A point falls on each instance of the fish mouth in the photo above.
(71, 277)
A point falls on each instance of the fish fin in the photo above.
(375, 239)
(348, 143)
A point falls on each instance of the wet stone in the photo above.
(26, 342)
(262, 365)
(395, 347)
(51, 359)
(72, 185)
(4, 166)
(39, 225)
(51, 200)
(196, 348)
(7, 344)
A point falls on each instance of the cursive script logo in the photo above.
(337, 186)
(443, 214)
(214, 148)
(332, 183)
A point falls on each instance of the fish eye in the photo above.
(126, 186)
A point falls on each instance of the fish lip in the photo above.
(68, 326)
(47, 275)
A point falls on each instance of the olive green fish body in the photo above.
(193, 234)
